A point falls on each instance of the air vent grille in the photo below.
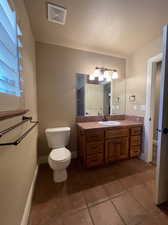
(56, 14)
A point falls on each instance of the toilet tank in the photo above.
(57, 137)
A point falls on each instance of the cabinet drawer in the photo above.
(95, 135)
(135, 151)
(136, 131)
(97, 156)
(93, 148)
(135, 140)
(96, 159)
(110, 133)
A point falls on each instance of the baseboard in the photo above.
(74, 154)
(44, 159)
(142, 156)
(26, 213)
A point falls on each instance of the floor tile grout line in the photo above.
(91, 216)
(118, 213)
(117, 194)
(146, 210)
(89, 212)
(97, 203)
(109, 198)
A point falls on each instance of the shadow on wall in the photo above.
(43, 149)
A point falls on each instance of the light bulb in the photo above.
(91, 77)
(115, 75)
(108, 79)
(101, 78)
(97, 72)
(106, 74)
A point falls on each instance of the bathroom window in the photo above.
(10, 51)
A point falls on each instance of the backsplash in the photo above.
(134, 118)
(112, 117)
(89, 118)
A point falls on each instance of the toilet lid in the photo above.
(60, 154)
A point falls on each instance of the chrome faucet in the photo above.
(104, 118)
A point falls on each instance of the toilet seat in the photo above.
(60, 155)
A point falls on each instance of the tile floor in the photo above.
(120, 194)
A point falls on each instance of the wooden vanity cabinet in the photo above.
(91, 147)
(102, 146)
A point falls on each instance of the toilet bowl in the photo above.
(59, 157)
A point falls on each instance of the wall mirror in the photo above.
(95, 97)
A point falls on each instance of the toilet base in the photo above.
(60, 176)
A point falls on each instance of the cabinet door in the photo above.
(112, 149)
(124, 150)
(116, 149)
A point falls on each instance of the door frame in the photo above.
(149, 115)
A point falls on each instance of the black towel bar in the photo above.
(24, 119)
(16, 142)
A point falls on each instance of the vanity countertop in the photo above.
(97, 125)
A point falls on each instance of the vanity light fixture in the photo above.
(104, 74)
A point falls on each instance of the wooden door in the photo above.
(162, 153)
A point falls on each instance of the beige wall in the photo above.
(17, 164)
(118, 88)
(136, 75)
(56, 76)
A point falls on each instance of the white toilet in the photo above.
(60, 157)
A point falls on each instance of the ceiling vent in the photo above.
(56, 14)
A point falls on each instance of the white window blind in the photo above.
(10, 51)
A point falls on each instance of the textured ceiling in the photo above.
(114, 27)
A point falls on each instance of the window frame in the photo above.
(11, 103)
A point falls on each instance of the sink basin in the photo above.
(110, 123)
